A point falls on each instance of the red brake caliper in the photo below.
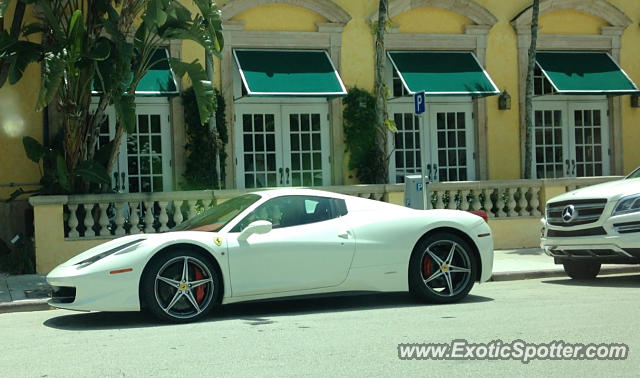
(199, 289)
(426, 267)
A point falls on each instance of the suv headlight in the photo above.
(628, 204)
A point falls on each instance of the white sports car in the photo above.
(278, 243)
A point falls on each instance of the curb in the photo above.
(532, 274)
(25, 305)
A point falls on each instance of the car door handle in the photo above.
(345, 235)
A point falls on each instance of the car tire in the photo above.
(180, 285)
(442, 269)
(582, 270)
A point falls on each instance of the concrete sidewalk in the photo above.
(30, 292)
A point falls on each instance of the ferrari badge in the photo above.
(218, 241)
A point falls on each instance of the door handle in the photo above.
(429, 171)
(567, 163)
(115, 181)
(435, 172)
(122, 182)
(280, 170)
(573, 167)
(345, 235)
(287, 172)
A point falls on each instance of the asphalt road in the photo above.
(346, 336)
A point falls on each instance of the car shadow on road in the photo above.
(618, 281)
(526, 251)
(254, 313)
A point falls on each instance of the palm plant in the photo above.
(108, 44)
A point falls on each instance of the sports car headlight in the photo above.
(124, 248)
(628, 204)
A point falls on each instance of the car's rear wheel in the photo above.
(582, 270)
(180, 286)
(442, 269)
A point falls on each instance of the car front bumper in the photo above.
(575, 243)
(94, 289)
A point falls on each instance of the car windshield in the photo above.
(634, 174)
(218, 216)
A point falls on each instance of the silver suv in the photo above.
(595, 225)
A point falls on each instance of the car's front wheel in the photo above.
(180, 286)
(582, 270)
(442, 268)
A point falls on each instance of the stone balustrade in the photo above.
(112, 215)
(499, 199)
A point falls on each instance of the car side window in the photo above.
(288, 211)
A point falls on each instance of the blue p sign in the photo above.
(418, 102)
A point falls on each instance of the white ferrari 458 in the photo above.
(279, 243)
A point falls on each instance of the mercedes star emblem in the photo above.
(569, 213)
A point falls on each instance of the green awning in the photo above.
(584, 73)
(441, 73)
(159, 81)
(291, 73)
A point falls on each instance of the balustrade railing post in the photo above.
(535, 201)
(103, 221)
(522, 202)
(177, 214)
(73, 221)
(464, 202)
(511, 202)
(120, 231)
(163, 218)
(88, 220)
(148, 217)
(500, 203)
(134, 219)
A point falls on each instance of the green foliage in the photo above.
(4, 4)
(202, 87)
(203, 144)
(20, 261)
(86, 43)
(360, 136)
(56, 178)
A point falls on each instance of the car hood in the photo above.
(608, 190)
(148, 242)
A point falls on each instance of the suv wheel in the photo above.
(582, 270)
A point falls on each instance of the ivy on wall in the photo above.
(359, 117)
(203, 144)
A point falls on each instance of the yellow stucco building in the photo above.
(287, 131)
(287, 63)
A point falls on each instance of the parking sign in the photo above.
(418, 102)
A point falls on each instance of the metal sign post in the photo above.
(419, 108)
(418, 102)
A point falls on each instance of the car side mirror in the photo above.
(257, 227)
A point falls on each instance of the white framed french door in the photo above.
(570, 139)
(406, 144)
(281, 145)
(258, 145)
(144, 158)
(452, 142)
(441, 139)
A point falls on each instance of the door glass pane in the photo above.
(145, 154)
(589, 159)
(452, 148)
(407, 145)
(259, 142)
(548, 143)
(306, 149)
